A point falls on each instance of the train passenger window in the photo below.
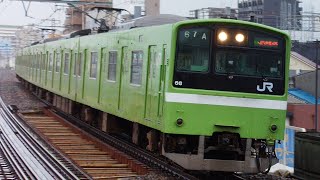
(50, 62)
(79, 64)
(93, 64)
(66, 63)
(75, 64)
(136, 67)
(58, 62)
(112, 65)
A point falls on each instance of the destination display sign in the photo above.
(266, 42)
(199, 36)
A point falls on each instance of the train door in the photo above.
(35, 68)
(74, 74)
(38, 68)
(32, 68)
(74, 70)
(123, 79)
(65, 70)
(162, 82)
(80, 80)
(50, 70)
(151, 96)
(43, 68)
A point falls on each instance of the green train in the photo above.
(207, 94)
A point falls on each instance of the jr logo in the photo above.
(265, 85)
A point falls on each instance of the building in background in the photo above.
(73, 21)
(8, 44)
(206, 13)
(152, 7)
(282, 14)
(77, 17)
(27, 35)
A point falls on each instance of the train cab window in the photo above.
(75, 68)
(93, 65)
(193, 50)
(136, 67)
(58, 62)
(66, 63)
(112, 65)
(50, 62)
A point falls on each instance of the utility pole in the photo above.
(316, 104)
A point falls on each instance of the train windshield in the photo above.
(248, 63)
(194, 48)
(230, 58)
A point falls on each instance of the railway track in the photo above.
(97, 160)
(6, 169)
(27, 158)
(144, 156)
(11, 165)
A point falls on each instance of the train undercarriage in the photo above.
(223, 151)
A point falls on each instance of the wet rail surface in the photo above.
(96, 159)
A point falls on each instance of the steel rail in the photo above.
(6, 169)
(19, 168)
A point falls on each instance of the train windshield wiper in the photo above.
(264, 77)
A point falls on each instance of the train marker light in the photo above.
(273, 128)
(179, 122)
(239, 37)
(222, 36)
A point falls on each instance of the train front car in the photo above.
(226, 100)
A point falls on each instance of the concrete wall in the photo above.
(295, 64)
(306, 82)
(303, 115)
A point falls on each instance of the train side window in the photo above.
(50, 62)
(112, 65)
(58, 62)
(136, 67)
(75, 68)
(93, 65)
(66, 63)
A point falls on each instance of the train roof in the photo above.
(151, 21)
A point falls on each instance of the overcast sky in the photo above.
(12, 12)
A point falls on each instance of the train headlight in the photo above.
(223, 36)
(239, 37)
